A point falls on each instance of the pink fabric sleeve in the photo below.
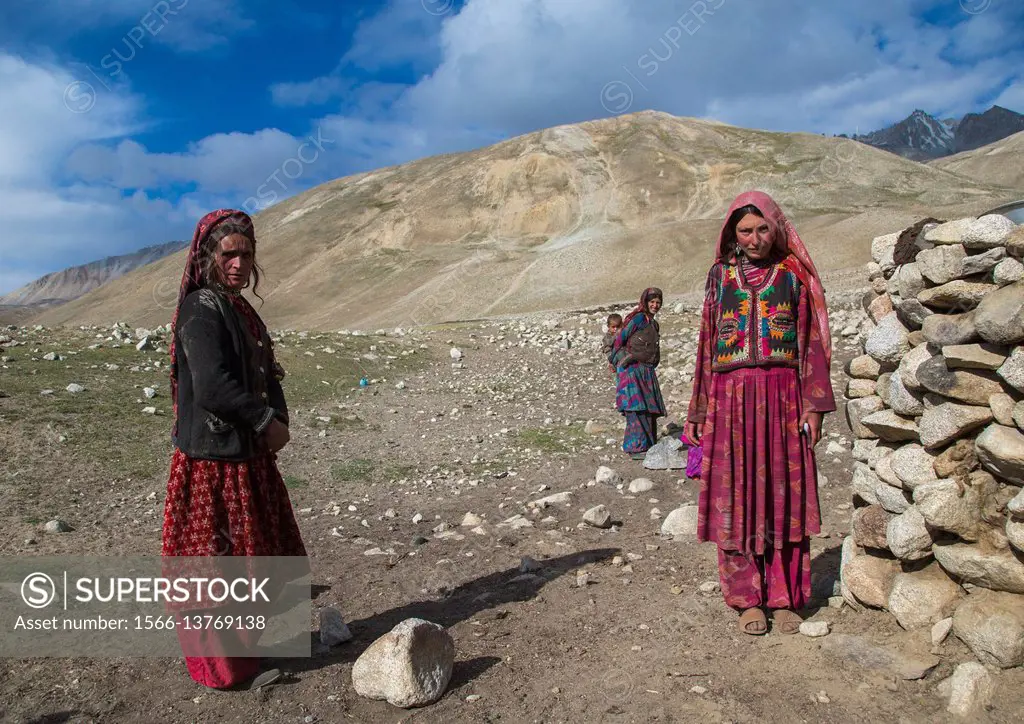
(702, 372)
(815, 379)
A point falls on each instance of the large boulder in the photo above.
(970, 691)
(987, 232)
(941, 264)
(1008, 271)
(902, 399)
(957, 294)
(911, 312)
(864, 367)
(913, 465)
(909, 365)
(992, 625)
(951, 232)
(957, 459)
(946, 329)
(923, 597)
(887, 343)
(869, 579)
(1012, 369)
(889, 426)
(945, 506)
(947, 421)
(869, 525)
(973, 388)
(997, 569)
(409, 666)
(983, 262)
(910, 281)
(857, 410)
(974, 356)
(908, 536)
(1000, 450)
(999, 318)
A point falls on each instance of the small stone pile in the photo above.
(937, 405)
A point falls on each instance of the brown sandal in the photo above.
(788, 622)
(753, 622)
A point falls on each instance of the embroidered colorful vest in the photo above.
(756, 323)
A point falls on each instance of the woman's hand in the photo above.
(276, 436)
(693, 431)
(813, 420)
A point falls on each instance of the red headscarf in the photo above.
(192, 279)
(641, 308)
(790, 246)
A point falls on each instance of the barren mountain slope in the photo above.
(569, 216)
(1000, 163)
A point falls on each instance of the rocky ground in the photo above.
(413, 494)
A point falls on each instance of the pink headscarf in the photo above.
(791, 247)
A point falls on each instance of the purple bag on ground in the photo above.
(694, 457)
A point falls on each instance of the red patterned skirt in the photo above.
(759, 481)
(216, 508)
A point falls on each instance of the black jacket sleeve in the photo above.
(208, 347)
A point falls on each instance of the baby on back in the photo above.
(621, 358)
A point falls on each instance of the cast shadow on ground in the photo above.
(464, 602)
(824, 575)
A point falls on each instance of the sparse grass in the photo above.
(294, 482)
(349, 471)
(552, 440)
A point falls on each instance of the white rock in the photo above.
(1012, 370)
(992, 626)
(409, 666)
(987, 232)
(952, 232)
(607, 476)
(887, 343)
(1000, 450)
(57, 526)
(598, 517)
(149, 392)
(681, 522)
(641, 485)
(554, 499)
(908, 536)
(74, 388)
(1008, 271)
(971, 690)
(471, 520)
(455, 353)
(814, 629)
(941, 630)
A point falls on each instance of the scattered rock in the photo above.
(941, 630)
(409, 666)
(333, 629)
(74, 388)
(680, 522)
(598, 517)
(57, 526)
(607, 476)
(669, 453)
(814, 629)
(970, 688)
(641, 485)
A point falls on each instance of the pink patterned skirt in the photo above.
(759, 484)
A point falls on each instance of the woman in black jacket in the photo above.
(225, 495)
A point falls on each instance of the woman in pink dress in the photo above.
(760, 390)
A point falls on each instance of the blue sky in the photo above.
(123, 121)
